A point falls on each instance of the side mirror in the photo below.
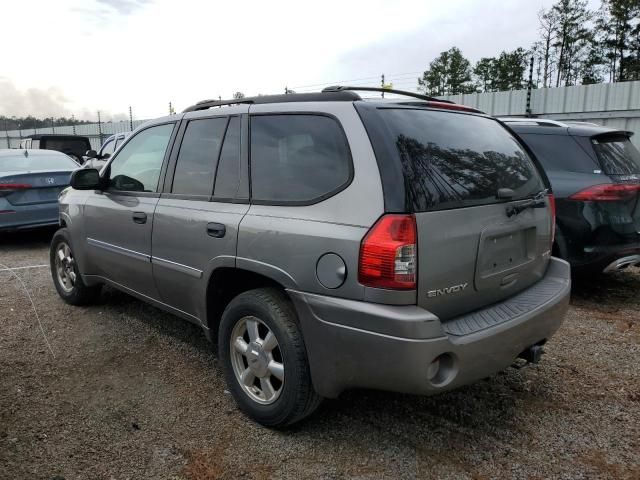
(91, 154)
(85, 179)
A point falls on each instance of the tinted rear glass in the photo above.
(75, 145)
(20, 163)
(617, 155)
(560, 153)
(452, 160)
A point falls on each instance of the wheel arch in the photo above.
(226, 282)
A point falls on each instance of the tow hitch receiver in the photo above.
(532, 354)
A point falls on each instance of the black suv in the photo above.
(75, 146)
(595, 175)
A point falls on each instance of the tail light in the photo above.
(7, 188)
(552, 206)
(607, 193)
(388, 254)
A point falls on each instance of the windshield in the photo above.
(617, 155)
(20, 163)
(452, 160)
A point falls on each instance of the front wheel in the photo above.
(264, 359)
(65, 273)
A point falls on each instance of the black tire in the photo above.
(79, 293)
(297, 398)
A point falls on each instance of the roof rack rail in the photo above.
(342, 88)
(335, 96)
(205, 104)
(542, 122)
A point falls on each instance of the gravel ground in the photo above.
(132, 392)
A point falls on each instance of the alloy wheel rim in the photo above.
(257, 360)
(65, 267)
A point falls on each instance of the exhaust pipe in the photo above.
(622, 263)
(532, 354)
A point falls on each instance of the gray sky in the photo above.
(109, 54)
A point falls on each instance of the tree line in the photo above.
(30, 122)
(576, 46)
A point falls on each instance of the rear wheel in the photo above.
(65, 273)
(264, 359)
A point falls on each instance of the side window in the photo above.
(196, 164)
(559, 152)
(137, 166)
(297, 158)
(228, 176)
(107, 148)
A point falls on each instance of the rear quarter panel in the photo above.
(286, 242)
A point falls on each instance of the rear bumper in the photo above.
(600, 258)
(26, 217)
(354, 344)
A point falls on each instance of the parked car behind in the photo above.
(98, 159)
(30, 181)
(595, 175)
(326, 243)
(74, 146)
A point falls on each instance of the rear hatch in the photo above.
(620, 161)
(463, 176)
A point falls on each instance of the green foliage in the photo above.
(448, 74)
(618, 28)
(506, 72)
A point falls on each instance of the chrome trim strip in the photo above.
(116, 249)
(179, 267)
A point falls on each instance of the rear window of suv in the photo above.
(617, 155)
(454, 160)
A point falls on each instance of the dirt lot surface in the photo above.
(132, 392)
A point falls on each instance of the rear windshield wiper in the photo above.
(536, 201)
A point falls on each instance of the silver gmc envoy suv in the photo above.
(326, 242)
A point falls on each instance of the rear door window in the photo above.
(228, 174)
(297, 158)
(454, 160)
(198, 157)
(617, 155)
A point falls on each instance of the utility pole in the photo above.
(73, 123)
(382, 85)
(130, 119)
(6, 132)
(529, 88)
(99, 128)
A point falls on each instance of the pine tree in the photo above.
(485, 73)
(448, 74)
(573, 37)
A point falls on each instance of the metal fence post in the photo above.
(99, 128)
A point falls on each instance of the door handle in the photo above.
(139, 217)
(216, 230)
